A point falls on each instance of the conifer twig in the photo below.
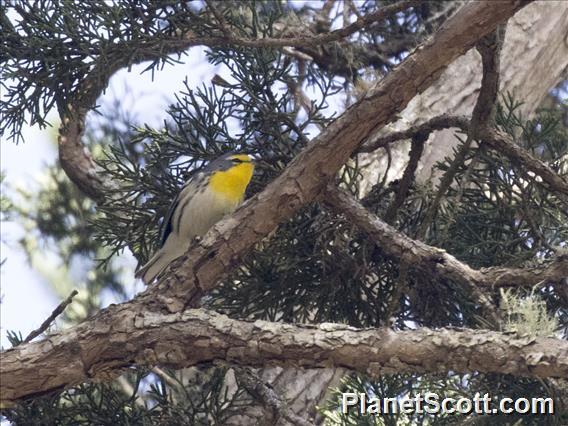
(482, 117)
(56, 312)
(307, 40)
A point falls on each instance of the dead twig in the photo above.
(56, 312)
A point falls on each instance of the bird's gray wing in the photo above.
(166, 228)
(168, 223)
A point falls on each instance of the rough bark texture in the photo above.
(534, 55)
(197, 336)
(304, 178)
(221, 249)
(437, 263)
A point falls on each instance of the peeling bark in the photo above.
(197, 336)
(136, 332)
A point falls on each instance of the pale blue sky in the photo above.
(27, 299)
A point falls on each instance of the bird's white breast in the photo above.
(200, 211)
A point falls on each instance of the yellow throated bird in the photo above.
(203, 200)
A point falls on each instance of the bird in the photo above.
(203, 200)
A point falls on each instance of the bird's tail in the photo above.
(154, 267)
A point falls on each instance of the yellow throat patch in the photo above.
(233, 182)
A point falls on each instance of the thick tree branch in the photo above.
(219, 252)
(195, 337)
(497, 139)
(436, 262)
(421, 257)
(221, 248)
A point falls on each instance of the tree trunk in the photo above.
(534, 56)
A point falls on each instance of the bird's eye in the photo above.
(236, 160)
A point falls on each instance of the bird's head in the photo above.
(231, 174)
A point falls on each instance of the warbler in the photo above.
(203, 200)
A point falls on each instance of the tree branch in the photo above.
(553, 273)
(308, 40)
(205, 264)
(416, 149)
(502, 142)
(421, 257)
(481, 118)
(75, 158)
(195, 337)
(440, 122)
(436, 262)
(490, 49)
(220, 250)
(56, 312)
(269, 398)
(497, 139)
(77, 161)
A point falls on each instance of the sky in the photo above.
(26, 298)
(25, 295)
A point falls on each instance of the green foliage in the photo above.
(395, 386)
(451, 385)
(316, 267)
(201, 400)
(495, 214)
(498, 213)
(250, 116)
(15, 338)
(305, 273)
(51, 46)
